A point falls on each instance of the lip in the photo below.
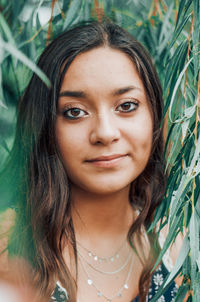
(107, 161)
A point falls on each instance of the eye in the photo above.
(127, 106)
(74, 113)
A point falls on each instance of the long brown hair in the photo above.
(41, 190)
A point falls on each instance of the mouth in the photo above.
(107, 160)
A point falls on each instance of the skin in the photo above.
(106, 123)
(104, 135)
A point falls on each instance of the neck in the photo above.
(104, 217)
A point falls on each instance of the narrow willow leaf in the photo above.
(195, 37)
(195, 157)
(169, 239)
(1, 91)
(157, 217)
(182, 291)
(174, 147)
(170, 131)
(6, 29)
(194, 246)
(176, 203)
(197, 289)
(170, 90)
(20, 56)
(184, 127)
(66, 4)
(179, 30)
(164, 24)
(187, 113)
(196, 170)
(174, 61)
(4, 145)
(180, 259)
(1, 99)
(198, 262)
(176, 88)
(183, 6)
(17, 8)
(72, 13)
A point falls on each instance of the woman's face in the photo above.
(104, 122)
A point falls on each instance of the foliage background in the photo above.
(169, 29)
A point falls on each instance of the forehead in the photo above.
(102, 67)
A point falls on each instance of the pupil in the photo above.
(75, 112)
(126, 106)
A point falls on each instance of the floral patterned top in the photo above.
(60, 293)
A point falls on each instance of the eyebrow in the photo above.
(76, 94)
(123, 90)
(83, 95)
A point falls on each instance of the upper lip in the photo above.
(106, 157)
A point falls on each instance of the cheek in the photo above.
(70, 143)
(141, 133)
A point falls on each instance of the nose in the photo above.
(104, 130)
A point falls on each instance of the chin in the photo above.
(105, 188)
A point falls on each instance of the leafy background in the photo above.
(170, 32)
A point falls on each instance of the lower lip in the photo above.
(108, 163)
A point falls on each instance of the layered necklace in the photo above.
(90, 260)
(103, 259)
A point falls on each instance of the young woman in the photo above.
(87, 165)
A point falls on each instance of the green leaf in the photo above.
(179, 30)
(182, 291)
(174, 65)
(184, 5)
(169, 239)
(176, 203)
(4, 145)
(1, 91)
(20, 56)
(6, 29)
(194, 240)
(72, 12)
(195, 37)
(176, 88)
(164, 30)
(198, 261)
(184, 127)
(180, 259)
(195, 157)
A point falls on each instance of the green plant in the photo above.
(170, 32)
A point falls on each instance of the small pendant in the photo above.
(99, 294)
(117, 256)
(112, 259)
(89, 282)
(95, 258)
(100, 260)
(90, 254)
(119, 295)
(126, 286)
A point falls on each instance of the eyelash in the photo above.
(69, 110)
(134, 106)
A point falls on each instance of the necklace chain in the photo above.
(99, 292)
(112, 258)
(107, 272)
